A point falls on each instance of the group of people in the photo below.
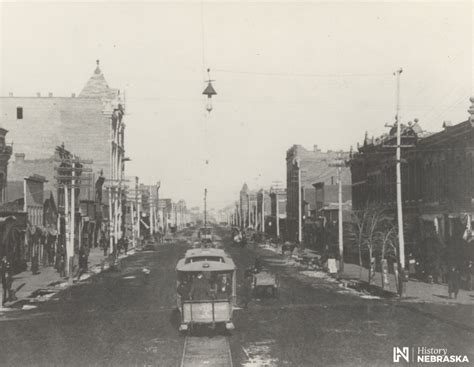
(239, 236)
(199, 287)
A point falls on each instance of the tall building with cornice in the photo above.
(90, 125)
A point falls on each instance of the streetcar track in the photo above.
(212, 352)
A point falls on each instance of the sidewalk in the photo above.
(430, 300)
(26, 284)
(416, 291)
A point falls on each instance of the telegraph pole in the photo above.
(70, 254)
(300, 224)
(400, 271)
(69, 177)
(262, 227)
(277, 214)
(205, 208)
(151, 211)
(339, 164)
(137, 205)
(401, 238)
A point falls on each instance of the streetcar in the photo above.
(206, 282)
(205, 234)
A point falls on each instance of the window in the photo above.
(19, 113)
(204, 258)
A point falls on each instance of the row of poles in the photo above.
(238, 219)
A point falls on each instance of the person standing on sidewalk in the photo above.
(454, 282)
(82, 263)
(7, 280)
(470, 275)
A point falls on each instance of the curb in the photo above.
(389, 297)
(104, 265)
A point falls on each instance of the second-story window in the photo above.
(19, 113)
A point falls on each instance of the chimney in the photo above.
(38, 94)
(73, 95)
(50, 94)
(447, 124)
(19, 157)
(315, 148)
(10, 94)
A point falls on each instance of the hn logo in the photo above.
(403, 352)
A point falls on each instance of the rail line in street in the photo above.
(205, 351)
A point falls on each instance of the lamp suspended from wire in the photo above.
(209, 92)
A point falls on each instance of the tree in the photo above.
(372, 232)
(389, 245)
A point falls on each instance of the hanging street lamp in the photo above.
(209, 92)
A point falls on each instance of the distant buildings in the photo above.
(70, 148)
(305, 168)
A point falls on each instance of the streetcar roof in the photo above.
(195, 252)
(224, 263)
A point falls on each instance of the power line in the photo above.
(279, 74)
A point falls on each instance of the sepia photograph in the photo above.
(252, 183)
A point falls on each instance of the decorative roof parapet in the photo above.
(471, 110)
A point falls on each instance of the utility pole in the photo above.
(263, 211)
(132, 216)
(255, 216)
(400, 272)
(205, 208)
(137, 205)
(69, 177)
(151, 212)
(277, 214)
(401, 238)
(67, 230)
(158, 215)
(300, 224)
(339, 164)
(70, 254)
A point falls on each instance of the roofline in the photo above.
(46, 97)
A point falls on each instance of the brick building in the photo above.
(303, 169)
(90, 125)
(437, 188)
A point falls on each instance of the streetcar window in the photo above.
(204, 258)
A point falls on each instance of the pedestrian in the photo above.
(470, 275)
(454, 282)
(103, 243)
(82, 263)
(247, 289)
(125, 245)
(4, 268)
(61, 262)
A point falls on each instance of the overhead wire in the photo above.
(305, 75)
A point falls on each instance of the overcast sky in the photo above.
(286, 73)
